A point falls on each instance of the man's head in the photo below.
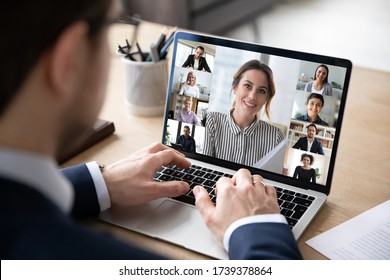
(187, 105)
(311, 130)
(29, 31)
(54, 68)
(186, 131)
(199, 51)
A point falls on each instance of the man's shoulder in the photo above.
(317, 142)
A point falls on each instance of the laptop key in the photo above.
(219, 173)
(299, 210)
(189, 170)
(301, 195)
(288, 205)
(209, 183)
(288, 192)
(286, 212)
(287, 197)
(208, 189)
(190, 193)
(199, 180)
(188, 178)
(302, 201)
(178, 175)
(196, 166)
(193, 185)
(208, 170)
(209, 176)
(278, 189)
(164, 177)
(199, 173)
(291, 222)
(167, 171)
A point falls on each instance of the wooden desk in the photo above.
(361, 179)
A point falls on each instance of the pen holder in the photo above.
(146, 87)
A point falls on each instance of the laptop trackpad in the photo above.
(180, 224)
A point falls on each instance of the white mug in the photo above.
(146, 86)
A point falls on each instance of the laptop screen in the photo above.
(236, 104)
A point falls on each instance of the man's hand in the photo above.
(239, 197)
(130, 180)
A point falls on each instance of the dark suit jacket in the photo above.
(316, 147)
(32, 227)
(202, 63)
(187, 144)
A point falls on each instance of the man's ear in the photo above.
(66, 57)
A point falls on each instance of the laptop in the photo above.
(177, 220)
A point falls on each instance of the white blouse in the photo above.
(190, 91)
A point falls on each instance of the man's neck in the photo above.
(32, 134)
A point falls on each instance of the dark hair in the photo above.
(258, 65)
(313, 125)
(309, 156)
(200, 47)
(29, 28)
(327, 72)
(315, 95)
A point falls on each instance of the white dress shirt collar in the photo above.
(40, 173)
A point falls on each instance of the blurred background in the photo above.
(358, 30)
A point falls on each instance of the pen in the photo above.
(143, 57)
(156, 48)
(161, 40)
(121, 50)
(133, 21)
(164, 49)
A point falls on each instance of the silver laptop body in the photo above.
(176, 220)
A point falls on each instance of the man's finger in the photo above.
(171, 156)
(242, 178)
(203, 203)
(270, 190)
(169, 189)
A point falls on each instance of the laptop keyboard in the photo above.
(292, 204)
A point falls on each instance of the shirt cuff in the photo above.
(265, 218)
(100, 185)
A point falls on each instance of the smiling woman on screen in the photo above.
(241, 130)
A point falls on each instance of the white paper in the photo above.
(364, 237)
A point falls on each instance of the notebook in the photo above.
(177, 220)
